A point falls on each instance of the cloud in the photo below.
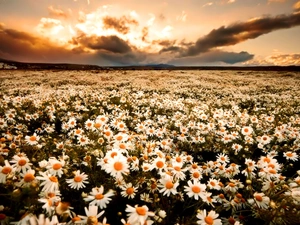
(119, 24)
(213, 57)
(165, 42)
(182, 17)
(229, 1)
(56, 12)
(208, 4)
(281, 1)
(110, 43)
(49, 25)
(150, 22)
(297, 6)
(145, 32)
(22, 46)
(239, 32)
(285, 59)
(276, 59)
(161, 17)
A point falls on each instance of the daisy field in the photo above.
(149, 147)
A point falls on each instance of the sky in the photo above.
(140, 32)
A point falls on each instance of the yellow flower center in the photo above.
(118, 166)
(159, 164)
(29, 177)
(113, 154)
(122, 146)
(196, 174)
(141, 211)
(22, 162)
(196, 189)
(56, 166)
(231, 184)
(53, 179)
(169, 185)
(130, 190)
(99, 196)
(97, 125)
(6, 170)
(76, 218)
(209, 220)
(32, 138)
(77, 178)
(258, 198)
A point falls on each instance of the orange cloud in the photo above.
(57, 12)
(119, 24)
(297, 6)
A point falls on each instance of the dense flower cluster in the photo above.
(182, 153)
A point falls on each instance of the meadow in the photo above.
(149, 147)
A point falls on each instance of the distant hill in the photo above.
(46, 66)
(10, 64)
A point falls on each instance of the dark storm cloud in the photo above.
(170, 49)
(22, 46)
(130, 58)
(213, 57)
(108, 43)
(239, 32)
(164, 42)
(121, 24)
(108, 50)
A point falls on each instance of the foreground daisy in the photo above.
(5, 171)
(32, 140)
(78, 181)
(55, 167)
(208, 219)
(138, 214)
(21, 163)
(167, 187)
(49, 182)
(260, 200)
(97, 197)
(117, 166)
(195, 190)
(128, 190)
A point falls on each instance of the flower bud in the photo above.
(16, 194)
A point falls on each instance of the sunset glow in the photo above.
(130, 32)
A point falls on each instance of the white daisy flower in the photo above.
(78, 181)
(128, 190)
(138, 215)
(260, 200)
(4, 171)
(117, 166)
(195, 189)
(97, 197)
(208, 219)
(49, 182)
(167, 186)
(21, 163)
